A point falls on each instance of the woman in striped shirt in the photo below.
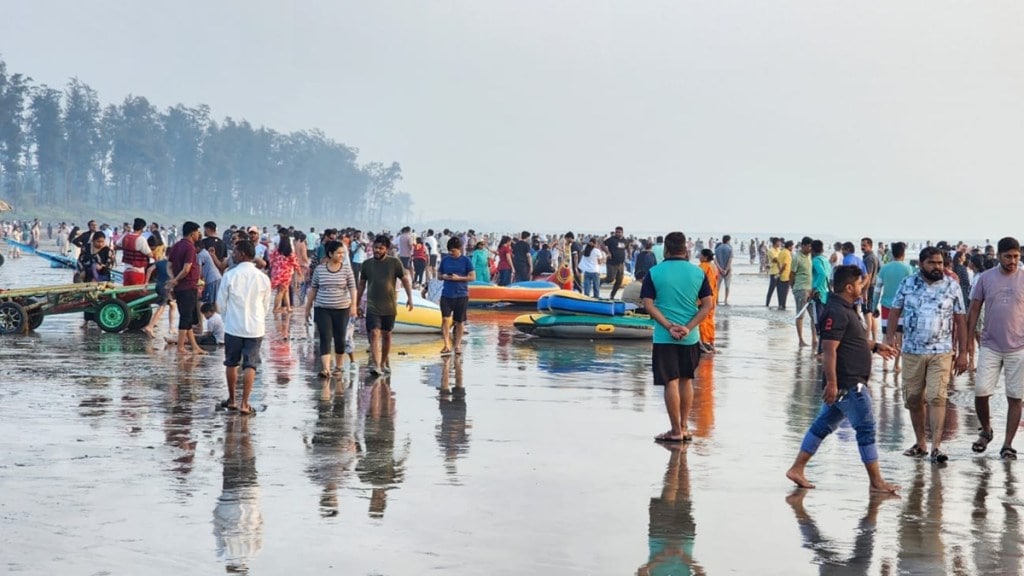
(333, 296)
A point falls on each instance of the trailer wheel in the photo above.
(113, 316)
(35, 319)
(13, 318)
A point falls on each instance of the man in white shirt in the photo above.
(244, 300)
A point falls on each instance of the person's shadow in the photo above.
(672, 530)
(238, 518)
(826, 551)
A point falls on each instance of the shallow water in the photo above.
(113, 460)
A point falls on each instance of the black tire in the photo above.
(141, 319)
(1, 259)
(13, 318)
(35, 319)
(113, 316)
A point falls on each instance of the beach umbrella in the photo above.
(5, 207)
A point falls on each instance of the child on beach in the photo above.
(160, 273)
(214, 335)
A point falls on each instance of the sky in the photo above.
(797, 116)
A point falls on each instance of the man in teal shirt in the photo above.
(887, 283)
(677, 295)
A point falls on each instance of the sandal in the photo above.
(227, 405)
(981, 443)
(324, 374)
(1007, 453)
(915, 451)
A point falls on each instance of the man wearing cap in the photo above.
(260, 259)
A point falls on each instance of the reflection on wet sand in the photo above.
(238, 518)
(672, 530)
(827, 552)
(333, 449)
(453, 430)
(378, 464)
(997, 546)
(703, 410)
(921, 550)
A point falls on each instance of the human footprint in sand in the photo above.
(846, 370)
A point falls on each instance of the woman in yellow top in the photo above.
(707, 325)
(785, 269)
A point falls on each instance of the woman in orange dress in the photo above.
(707, 326)
(282, 266)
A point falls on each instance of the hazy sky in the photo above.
(851, 118)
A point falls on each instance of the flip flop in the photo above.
(226, 405)
(446, 352)
(249, 412)
(324, 374)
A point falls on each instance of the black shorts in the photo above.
(454, 307)
(244, 351)
(674, 361)
(188, 308)
(376, 322)
(433, 260)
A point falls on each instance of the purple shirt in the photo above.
(1003, 295)
(184, 252)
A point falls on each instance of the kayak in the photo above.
(425, 317)
(569, 302)
(628, 327)
(481, 293)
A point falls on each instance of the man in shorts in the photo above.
(723, 259)
(888, 282)
(377, 282)
(931, 305)
(871, 270)
(1001, 291)
(456, 270)
(184, 283)
(678, 297)
(845, 372)
(244, 300)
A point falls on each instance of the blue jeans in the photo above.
(592, 279)
(504, 277)
(855, 406)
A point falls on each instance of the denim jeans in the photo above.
(504, 277)
(592, 279)
(855, 406)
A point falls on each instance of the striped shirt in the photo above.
(334, 290)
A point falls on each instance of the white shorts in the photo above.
(991, 364)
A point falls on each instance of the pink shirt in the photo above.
(1003, 295)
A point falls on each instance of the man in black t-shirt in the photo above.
(522, 259)
(212, 240)
(615, 247)
(846, 369)
(575, 250)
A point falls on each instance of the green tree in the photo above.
(47, 133)
(85, 151)
(13, 91)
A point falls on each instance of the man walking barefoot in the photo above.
(846, 369)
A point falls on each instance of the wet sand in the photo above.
(113, 460)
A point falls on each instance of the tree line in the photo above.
(63, 148)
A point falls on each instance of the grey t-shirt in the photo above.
(723, 256)
(1003, 295)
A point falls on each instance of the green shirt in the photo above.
(802, 271)
(821, 271)
(889, 278)
(380, 276)
(481, 265)
(677, 287)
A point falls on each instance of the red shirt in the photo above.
(504, 256)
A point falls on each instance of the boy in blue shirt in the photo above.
(456, 270)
